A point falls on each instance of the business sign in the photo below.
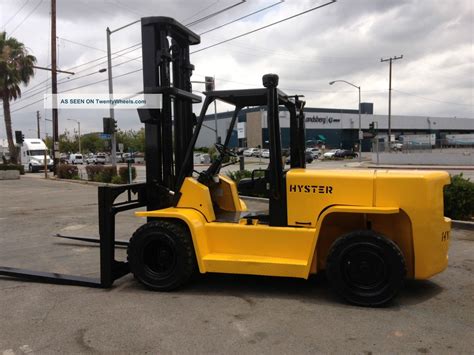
(322, 119)
(241, 130)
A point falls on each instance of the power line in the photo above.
(81, 44)
(434, 100)
(16, 13)
(241, 18)
(79, 87)
(214, 45)
(27, 16)
(103, 57)
(264, 27)
(64, 81)
(215, 13)
(201, 11)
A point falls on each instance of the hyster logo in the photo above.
(315, 189)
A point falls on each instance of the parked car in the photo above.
(315, 152)
(265, 153)
(239, 151)
(75, 159)
(396, 146)
(98, 158)
(345, 153)
(330, 154)
(252, 152)
(307, 155)
(128, 157)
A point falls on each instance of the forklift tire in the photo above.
(365, 268)
(161, 255)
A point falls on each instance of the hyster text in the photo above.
(315, 189)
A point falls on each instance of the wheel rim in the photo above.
(159, 256)
(364, 268)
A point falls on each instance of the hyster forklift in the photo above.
(367, 229)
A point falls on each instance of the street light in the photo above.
(79, 131)
(360, 128)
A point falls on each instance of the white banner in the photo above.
(102, 101)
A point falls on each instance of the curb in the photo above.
(82, 182)
(465, 225)
(252, 198)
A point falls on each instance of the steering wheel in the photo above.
(223, 150)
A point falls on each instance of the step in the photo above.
(255, 265)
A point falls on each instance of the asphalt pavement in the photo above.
(214, 313)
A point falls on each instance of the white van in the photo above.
(75, 159)
(32, 155)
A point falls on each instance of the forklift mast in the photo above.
(167, 71)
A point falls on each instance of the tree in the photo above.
(16, 68)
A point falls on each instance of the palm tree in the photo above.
(16, 68)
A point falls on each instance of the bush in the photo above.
(99, 173)
(123, 173)
(18, 167)
(459, 198)
(117, 180)
(242, 174)
(64, 171)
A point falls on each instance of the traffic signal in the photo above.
(372, 128)
(19, 137)
(210, 85)
(110, 125)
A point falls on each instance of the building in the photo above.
(335, 128)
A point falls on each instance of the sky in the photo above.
(345, 40)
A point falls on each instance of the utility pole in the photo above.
(390, 94)
(38, 117)
(111, 92)
(54, 87)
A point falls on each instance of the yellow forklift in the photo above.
(367, 229)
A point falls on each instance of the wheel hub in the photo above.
(364, 269)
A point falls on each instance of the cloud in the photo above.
(344, 40)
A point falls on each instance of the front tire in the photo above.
(161, 255)
(365, 268)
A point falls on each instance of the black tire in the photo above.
(161, 255)
(30, 168)
(351, 263)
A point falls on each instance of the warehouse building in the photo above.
(335, 128)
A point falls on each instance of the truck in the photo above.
(366, 230)
(418, 140)
(33, 152)
(460, 139)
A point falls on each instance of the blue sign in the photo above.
(104, 136)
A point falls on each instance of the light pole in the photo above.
(360, 123)
(78, 130)
(113, 142)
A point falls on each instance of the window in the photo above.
(36, 152)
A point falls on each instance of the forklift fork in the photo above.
(110, 269)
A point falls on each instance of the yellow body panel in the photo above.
(405, 206)
(225, 195)
(309, 192)
(196, 196)
(420, 196)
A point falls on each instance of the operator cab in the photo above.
(227, 205)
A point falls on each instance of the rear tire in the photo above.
(161, 255)
(365, 268)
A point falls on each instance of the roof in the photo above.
(246, 97)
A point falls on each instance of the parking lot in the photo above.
(215, 313)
